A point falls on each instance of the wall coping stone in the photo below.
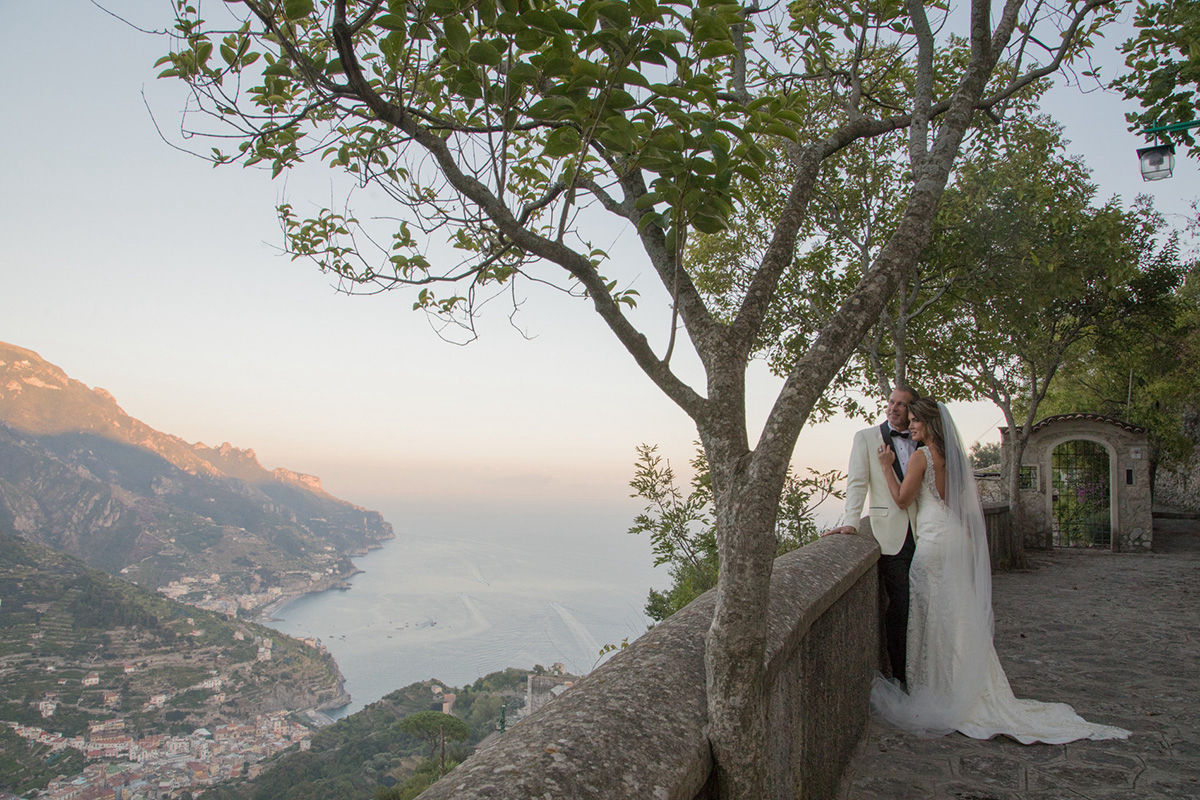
(635, 727)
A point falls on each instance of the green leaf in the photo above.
(562, 142)
(615, 12)
(392, 22)
(296, 9)
(530, 39)
(484, 53)
(708, 223)
(553, 107)
(619, 100)
(456, 35)
(509, 24)
(524, 73)
(779, 129)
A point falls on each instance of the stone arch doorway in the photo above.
(1069, 462)
(1081, 512)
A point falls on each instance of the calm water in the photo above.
(457, 599)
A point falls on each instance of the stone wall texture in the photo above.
(634, 729)
(1179, 488)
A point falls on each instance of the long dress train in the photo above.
(955, 681)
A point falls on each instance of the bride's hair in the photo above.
(925, 411)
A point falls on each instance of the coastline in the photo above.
(265, 614)
(327, 712)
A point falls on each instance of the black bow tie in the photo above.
(901, 434)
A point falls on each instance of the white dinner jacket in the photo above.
(889, 522)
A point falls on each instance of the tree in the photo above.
(845, 229)
(1058, 275)
(435, 727)
(1164, 66)
(985, 456)
(1143, 369)
(681, 528)
(510, 126)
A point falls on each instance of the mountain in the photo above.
(207, 525)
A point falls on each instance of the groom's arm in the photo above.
(857, 483)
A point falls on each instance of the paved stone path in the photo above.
(1115, 635)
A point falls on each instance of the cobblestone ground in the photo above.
(1114, 635)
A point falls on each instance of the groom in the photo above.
(891, 525)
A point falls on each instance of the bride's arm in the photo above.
(903, 493)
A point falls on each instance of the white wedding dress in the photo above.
(955, 681)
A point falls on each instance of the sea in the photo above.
(462, 592)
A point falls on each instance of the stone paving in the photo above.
(1115, 635)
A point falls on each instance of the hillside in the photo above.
(81, 476)
(79, 647)
(358, 755)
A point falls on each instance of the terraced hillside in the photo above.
(79, 647)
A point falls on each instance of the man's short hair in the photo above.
(904, 387)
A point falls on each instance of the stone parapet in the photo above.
(635, 728)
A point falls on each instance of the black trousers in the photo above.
(893, 600)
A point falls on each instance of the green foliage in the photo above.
(1143, 369)
(369, 751)
(1058, 278)
(683, 533)
(985, 457)
(551, 84)
(435, 728)
(561, 99)
(100, 603)
(1163, 60)
(424, 776)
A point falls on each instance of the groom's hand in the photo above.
(842, 529)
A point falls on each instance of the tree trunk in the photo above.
(1019, 518)
(735, 647)
(746, 501)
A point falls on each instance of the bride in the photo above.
(955, 681)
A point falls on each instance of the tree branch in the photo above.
(574, 263)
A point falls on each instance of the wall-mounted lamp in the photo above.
(1157, 161)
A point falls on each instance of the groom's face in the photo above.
(897, 409)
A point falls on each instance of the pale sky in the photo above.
(145, 271)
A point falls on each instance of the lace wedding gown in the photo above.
(955, 681)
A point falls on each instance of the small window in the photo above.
(1028, 478)
(1129, 477)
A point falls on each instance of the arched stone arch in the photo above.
(1112, 506)
(1128, 477)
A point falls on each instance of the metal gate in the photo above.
(1081, 492)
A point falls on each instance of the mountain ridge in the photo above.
(26, 378)
(80, 475)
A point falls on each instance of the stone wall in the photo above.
(634, 728)
(1178, 486)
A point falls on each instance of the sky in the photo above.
(143, 270)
